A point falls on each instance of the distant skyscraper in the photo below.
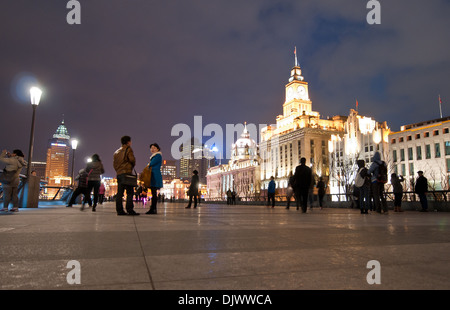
(193, 158)
(57, 167)
(58, 153)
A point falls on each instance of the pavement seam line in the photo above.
(143, 254)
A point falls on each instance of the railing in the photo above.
(439, 196)
(46, 193)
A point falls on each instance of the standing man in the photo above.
(10, 178)
(302, 182)
(378, 170)
(271, 192)
(421, 189)
(124, 162)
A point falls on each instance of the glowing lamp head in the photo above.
(35, 94)
(74, 144)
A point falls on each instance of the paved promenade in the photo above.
(223, 247)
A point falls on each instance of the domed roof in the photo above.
(62, 132)
(245, 140)
(244, 147)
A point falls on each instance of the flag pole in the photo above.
(440, 105)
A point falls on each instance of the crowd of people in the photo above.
(369, 183)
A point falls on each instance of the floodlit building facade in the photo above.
(422, 146)
(361, 138)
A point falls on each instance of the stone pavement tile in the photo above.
(94, 273)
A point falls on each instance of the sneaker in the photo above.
(14, 210)
(122, 213)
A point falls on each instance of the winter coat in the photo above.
(397, 187)
(271, 188)
(124, 164)
(373, 169)
(302, 177)
(155, 164)
(13, 164)
(95, 170)
(421, 185)
(193, 188)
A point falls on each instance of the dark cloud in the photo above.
(140, 67)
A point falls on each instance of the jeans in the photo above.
(96, 186)
(10, 193)
(378, 196)
(271, 196)
(364, 198)
(121, 188)
(423, 201)
(301, 196)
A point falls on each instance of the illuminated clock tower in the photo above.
(297, 96)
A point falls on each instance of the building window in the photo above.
(445, 130)
(392, 141)
(411, 169)
(419, 152)
(448, 164)
(426, 134)
(408, 138)
(402, 155)
(447, 147)
(436, 133)
(427, 151)
(417, 136)
(437, 150)
(403, 169)
(394, 155)
(400, 139)
(410, 153)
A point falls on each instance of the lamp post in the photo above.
(35, 94)
(74, 143)
(29, 195)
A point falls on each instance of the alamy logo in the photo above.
(374, 15)
(74, 275)
(74, 15)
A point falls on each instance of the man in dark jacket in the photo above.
(421, 189)
(193, 189)
(302, 182)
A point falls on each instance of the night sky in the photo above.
(138, 67)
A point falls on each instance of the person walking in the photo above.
(82, 189)
(10, 177)
(271, 192)
(321, 188)
(421, 189)
(95, 169)
(101, 193)
(156, 182)
(229, 197)
(290, 190)
(378, 171)
(302, 182)
(397, 189)
(362, 182)
(124, 162)
(193, 189)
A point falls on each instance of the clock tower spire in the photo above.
(297, 97)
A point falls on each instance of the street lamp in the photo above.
(74, 147)
(29, 197)
(35, 94)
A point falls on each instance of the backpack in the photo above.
(382, 173)
(359, 180)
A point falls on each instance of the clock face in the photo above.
(290, 93)
(301, 91)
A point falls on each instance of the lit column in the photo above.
(35, 94)
(74, 143)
